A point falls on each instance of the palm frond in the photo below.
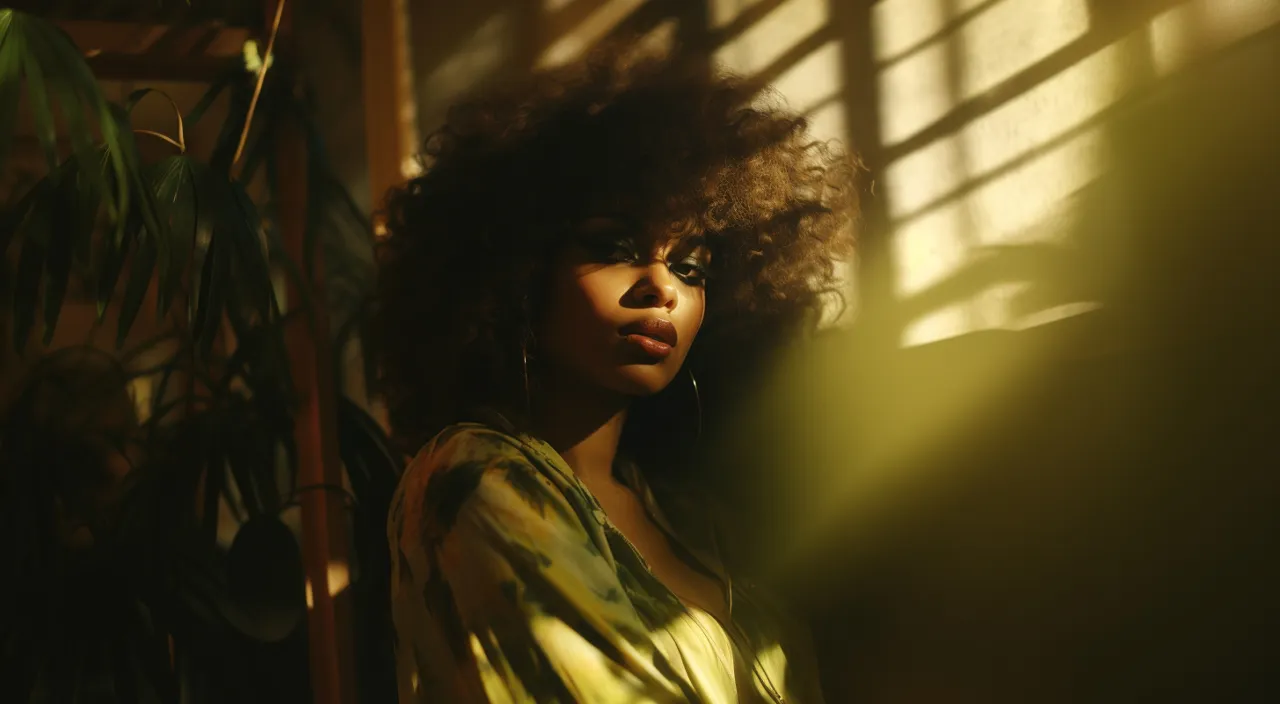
(58, 81)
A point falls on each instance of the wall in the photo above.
(1024, 146)
(1065, 498)
(994, 129)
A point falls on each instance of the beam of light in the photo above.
(1009, 36)
(141, 391)
(1054, 314)
(410, 167)
(840, 306)
(950, 321)
(814, 85)
(914, 94)
(1032, 203)
(1008, 176)
(773, 35)
(1046, 113)
(479, 56)
(576, 40)
(1011, 175)
(829, 122)
(868, 437)
(814, 80)
(338, 577)
(996, 43)
(661, 39)
(928, 248)
(1193, 29)
(897, 26)
(721, 13)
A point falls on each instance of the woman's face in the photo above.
(624, 306)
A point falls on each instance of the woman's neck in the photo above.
(583, 424)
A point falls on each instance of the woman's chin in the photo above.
(643, 381)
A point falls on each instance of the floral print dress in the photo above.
(509, 584)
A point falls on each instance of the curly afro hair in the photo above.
(665, 140)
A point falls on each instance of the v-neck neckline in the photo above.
(631, 476)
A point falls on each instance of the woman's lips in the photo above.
(654, 337)
(656, 349)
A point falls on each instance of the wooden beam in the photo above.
(390, 111)
(326, 554)
(95, 36)
(142, 51)
(211, 39)
(185, 40)
(142, 67)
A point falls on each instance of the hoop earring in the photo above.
(697, 403)
(524, 373)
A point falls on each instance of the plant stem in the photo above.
(262, 75)
(162, 137)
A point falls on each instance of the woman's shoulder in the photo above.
(466, 443)
(482, 468)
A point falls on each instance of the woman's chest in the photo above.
(683, 579)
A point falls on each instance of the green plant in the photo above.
(122, 590)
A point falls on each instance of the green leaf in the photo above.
(114, 252)
(68, 66)
(279, 258)
(144, 213)
(131, 101)
(58, 56)
(30, 269)
(173, 186)
(63, 233)
(88, 204)
(224, 146)
(140, 271)
(215, 221)
(251, 259)
(201, 206)
(366, 448)
(10, 83)
(13, 218)
(259, 149)
(117, 135)
(161, 388)
(244, 464)
(38, 98)
(215, 480)
(55, 70)
(59, 214)
(213, 283)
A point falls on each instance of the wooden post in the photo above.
(324, 514)
(390, 114)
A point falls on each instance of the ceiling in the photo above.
(178, 47)
(244, 13)
(155, 40)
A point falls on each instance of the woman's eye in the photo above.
(691, 271)
(610, 250)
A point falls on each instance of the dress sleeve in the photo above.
(527, 596)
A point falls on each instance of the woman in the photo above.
(582, 252)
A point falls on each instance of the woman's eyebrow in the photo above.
(604, 223)
(688, 244)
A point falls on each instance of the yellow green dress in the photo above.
(509, 584)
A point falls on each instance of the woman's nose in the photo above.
(657, 289)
